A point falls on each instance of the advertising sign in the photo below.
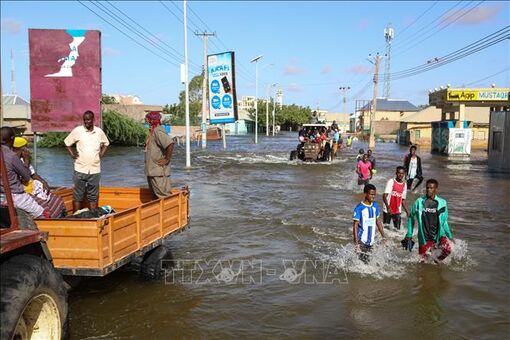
(65, 77)
(222, 90)
(478, 95)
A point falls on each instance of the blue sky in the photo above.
(315, 46)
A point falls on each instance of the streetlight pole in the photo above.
(267, 109)
(255, 60)
(344, 90)
(188, 147)
(371, 141)
(274, 105)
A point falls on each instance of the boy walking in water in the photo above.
(396, 188)
(412, 164)
(366, 218)
(434, 235)
(364, 170)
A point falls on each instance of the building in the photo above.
(389, 113)
(246, 103)
(416, 128)
(499, 143)
(127, 99)
(244, 125)
(342, 119)
(17, 114)
(136, 112)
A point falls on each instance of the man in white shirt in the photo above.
(91, 145)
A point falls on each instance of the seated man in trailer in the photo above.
(18, 174)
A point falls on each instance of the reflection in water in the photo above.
(250, 202)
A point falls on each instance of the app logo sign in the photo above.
(227, 101)
(215, 86)
(216, 102)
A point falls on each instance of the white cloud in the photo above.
(11, 25)
(291, 70)
(111, 52)
(294, 87)
(475, 16)
(359, 69)
(326, 69)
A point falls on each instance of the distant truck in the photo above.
(33, 257)
(312, 152)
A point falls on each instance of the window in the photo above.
(417, 134)
(480, 135)
(497, 141)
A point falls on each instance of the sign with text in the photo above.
(477, 95)
(65, 77)
(222, 90)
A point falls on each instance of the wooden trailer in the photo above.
(97, 246)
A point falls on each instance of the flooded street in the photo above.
(251, 205)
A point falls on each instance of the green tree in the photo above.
(178, 111)
(286, 116)
(106, 99)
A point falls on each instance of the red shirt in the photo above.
(396, 192)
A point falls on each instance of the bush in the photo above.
(119, 129)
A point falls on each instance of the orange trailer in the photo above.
(97, 246)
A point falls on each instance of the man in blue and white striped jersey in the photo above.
(366, 218)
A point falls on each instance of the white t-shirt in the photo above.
(88, 144)
(413, 166)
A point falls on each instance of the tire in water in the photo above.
(293, 155)
(152, 267)
(33, 299)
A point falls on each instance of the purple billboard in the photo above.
(65, 77)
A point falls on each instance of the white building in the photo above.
(246, 103)
(127, 99)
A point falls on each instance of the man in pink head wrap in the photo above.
(158, 153)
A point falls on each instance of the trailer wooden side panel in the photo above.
(98, 246)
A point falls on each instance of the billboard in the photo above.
(222, 90)
(65, 77)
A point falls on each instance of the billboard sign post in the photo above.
(221, 82)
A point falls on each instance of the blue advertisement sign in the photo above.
(222, 98)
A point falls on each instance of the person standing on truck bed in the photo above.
(91, 145)
(158, 153)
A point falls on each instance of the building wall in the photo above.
(384, 127)
(137, 112)
(392, 116)
(499, 150)
(421, 134)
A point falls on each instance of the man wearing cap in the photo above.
(18, 174)
(158, 153)
(91, 145)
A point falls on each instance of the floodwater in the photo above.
(271, 244)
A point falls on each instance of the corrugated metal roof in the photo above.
(392, 105)
(13, 99)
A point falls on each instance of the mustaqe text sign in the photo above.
(222, 90)
(65, 77)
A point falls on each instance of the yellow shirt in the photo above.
(88, 144)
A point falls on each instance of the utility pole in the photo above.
(376, 61)
(205, 36)
(344, 90)
(389, 34)
(267, 109)
(188, 146)
(255, 60)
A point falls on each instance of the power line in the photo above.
(488, 77)
(128, 36)
(465, 54)
(137, 32)
(180, 55)
(439, 30)
(476, 46)
(424, 28)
